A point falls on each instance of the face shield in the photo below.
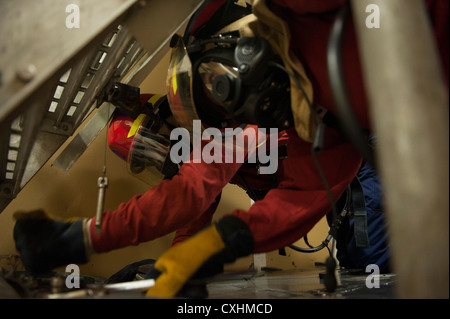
(142, 145)
(149, 149)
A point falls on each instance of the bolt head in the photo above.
(27, 72)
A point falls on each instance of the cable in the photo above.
(305, 238)
(316, 148)
(347, 118)
(192, 21)
(323, 245)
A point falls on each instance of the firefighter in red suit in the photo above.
(185, 203)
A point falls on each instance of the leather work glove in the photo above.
(200, 255)
(45, 243)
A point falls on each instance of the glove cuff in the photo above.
(180, 262)
(236, 235)
(238, 242)
(89, 249)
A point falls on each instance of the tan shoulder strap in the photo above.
(264, 23)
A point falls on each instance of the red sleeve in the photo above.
(164, 208)
(191, 228)
(291, 210)
(173, 203)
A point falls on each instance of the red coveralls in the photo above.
(187, 201)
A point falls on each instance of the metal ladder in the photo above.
(53, 77)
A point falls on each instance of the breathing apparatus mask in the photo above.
(235, 76)
(231, 84)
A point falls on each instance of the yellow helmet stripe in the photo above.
(134, 127)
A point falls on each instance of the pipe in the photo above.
(409, 113)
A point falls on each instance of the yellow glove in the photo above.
(224, 241)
